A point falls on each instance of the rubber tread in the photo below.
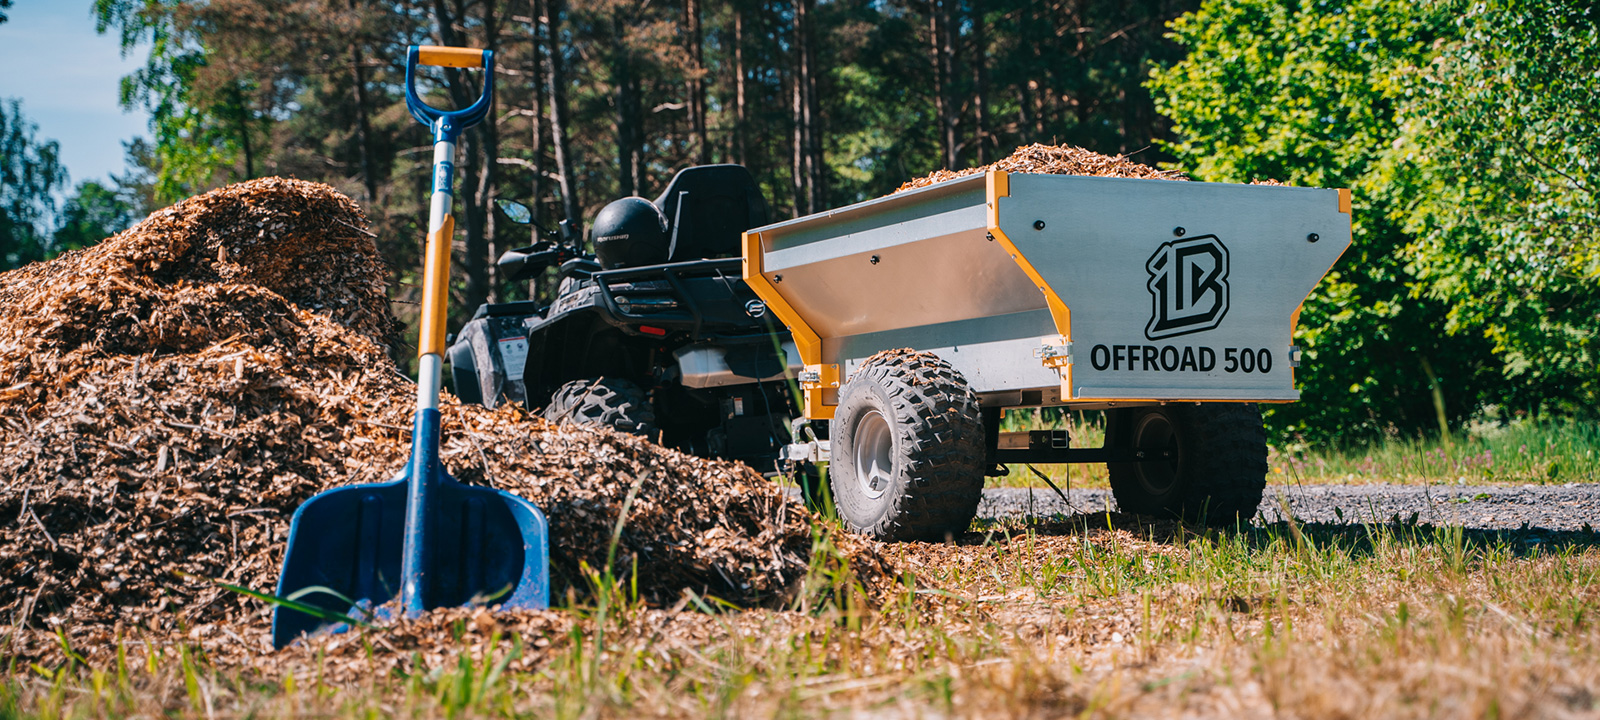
(939, 453)
(608, 402)
(1223, 474)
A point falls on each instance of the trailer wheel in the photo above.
(1204, 463)
(907, 449)
(609, 402)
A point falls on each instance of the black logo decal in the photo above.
(1188, 287)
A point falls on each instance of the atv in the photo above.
(655, 334)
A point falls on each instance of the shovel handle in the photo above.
(441, 56)
(447, 124)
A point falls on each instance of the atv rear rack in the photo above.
(697, 293)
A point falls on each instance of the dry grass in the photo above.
(1101, 616)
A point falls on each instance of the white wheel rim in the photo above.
(873, 453)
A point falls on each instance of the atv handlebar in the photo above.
(525, 262)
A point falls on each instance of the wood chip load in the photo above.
(171, 395)
(1054, 160)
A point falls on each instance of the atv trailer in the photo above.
(920, 317)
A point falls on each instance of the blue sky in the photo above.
(67, 77)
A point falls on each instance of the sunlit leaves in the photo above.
(30, 171)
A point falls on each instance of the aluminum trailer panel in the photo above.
(1058, 289)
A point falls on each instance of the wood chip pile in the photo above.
(1054, 160)
(171, 395)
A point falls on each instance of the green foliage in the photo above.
(93, 213)
(1313, 93)
(30, 172)
(1498, 155)
(200, 129)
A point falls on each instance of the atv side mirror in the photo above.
(522, 215)
(517, 212)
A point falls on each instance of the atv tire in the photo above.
(1205, 463)
(907, 449)
(609, 402)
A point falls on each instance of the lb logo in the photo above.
(1188, 287)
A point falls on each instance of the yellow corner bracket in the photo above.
(999, 184)
(806, 340)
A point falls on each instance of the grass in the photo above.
(1524, 452)
(1092, 616)
(1527, 451)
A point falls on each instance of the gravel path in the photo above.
(1487, 507)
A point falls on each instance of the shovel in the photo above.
(423, 536)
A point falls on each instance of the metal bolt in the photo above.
(1313, 237)
(989, 237)
(1038, 224)
(1179, 231)
(777, 279)
(874, 259)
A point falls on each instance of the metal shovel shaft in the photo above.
(423, 472)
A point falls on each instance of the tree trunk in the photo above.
(697, 83)
(535, 119)
(739, 118)
(244, 142)
(980, 82)
(570, 204)
(369, 178)
(813, 115)
(935, 57)
(625, 100)
(807, 159)
(797, 156)
(1033, 93)
(488, 184)
(941, 32)
(1025, 114)
(797, 144)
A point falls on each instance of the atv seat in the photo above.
(708, 208)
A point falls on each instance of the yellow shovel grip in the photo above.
(436, 288)
(449, 56)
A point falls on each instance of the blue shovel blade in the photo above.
(487, 547)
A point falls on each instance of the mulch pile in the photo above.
(170, 396)
(1054, 160)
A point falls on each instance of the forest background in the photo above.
(1468, 132)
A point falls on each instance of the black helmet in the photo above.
(630, 232)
